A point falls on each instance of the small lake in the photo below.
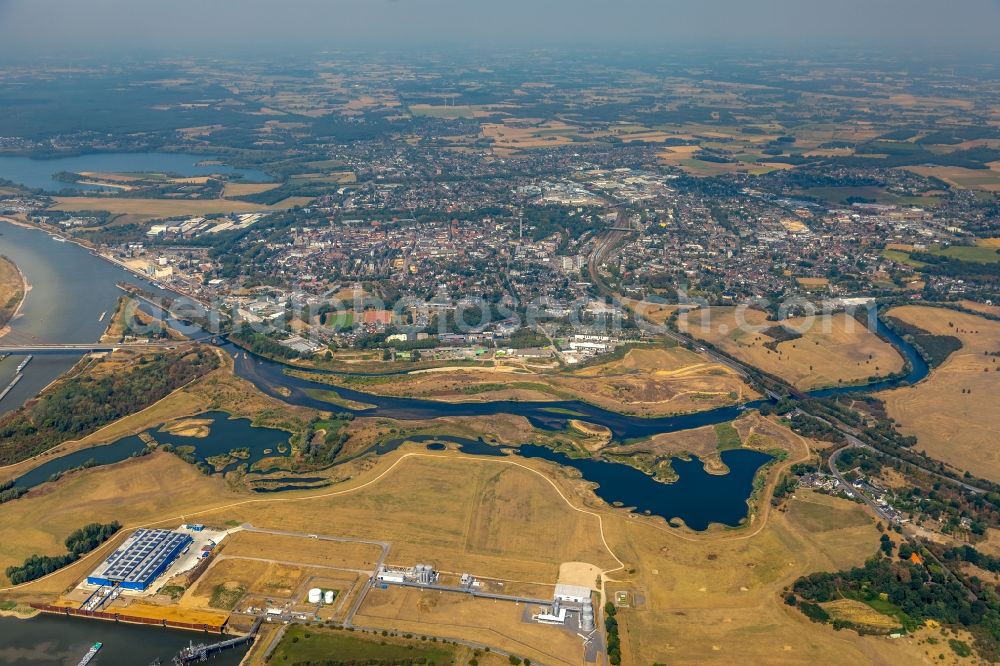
(697, 498)
(225, 435)
(38, 173)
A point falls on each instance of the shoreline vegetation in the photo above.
(82, 403)
(13, 289)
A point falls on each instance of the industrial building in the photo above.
(137, 562)
(576, 594)
(421, 574)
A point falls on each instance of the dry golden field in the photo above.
(131, 492)
(987, 180)
(981, 307)
(244, 189)
(953, 412)
(834, 349)
(302, 550)
(718, 601)
(859, 613)
(699, 598)
(653, 381)
(464, 617)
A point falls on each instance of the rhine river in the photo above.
(52, 640)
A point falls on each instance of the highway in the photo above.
(87, 347)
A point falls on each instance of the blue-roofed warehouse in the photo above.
(137, 562)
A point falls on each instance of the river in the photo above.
(70, 288)
(61, 307)
(53, 640)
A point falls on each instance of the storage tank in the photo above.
(315, 594)
(587, 618)
(328, 596)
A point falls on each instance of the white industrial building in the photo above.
(421, 574)
(576, 594)
(556, 614)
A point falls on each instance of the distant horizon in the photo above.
(60, 28)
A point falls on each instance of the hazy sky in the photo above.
(90, 26)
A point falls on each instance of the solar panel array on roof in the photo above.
(140, 559)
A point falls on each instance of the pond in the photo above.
(697, 498)
(225, 434)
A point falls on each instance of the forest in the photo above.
(84, 402)
(911, 590)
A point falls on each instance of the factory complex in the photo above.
(138, 561)
(147, 554)
(567, 599)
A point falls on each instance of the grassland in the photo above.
(309, 645)
(953, 412)
(11, 290)
(168, 207)
(652, 381)
(708, 598)
(834, 349)
(464, 617)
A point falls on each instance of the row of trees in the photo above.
(78, 543)
(614, 640)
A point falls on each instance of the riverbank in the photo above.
(14, 289)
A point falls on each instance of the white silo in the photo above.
(328, 597)
(587, 618)
(315, 594)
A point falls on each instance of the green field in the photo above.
(304, 645)
(901, 257)
(976, 254)
(334, 398)
(339, 320)
(728, 437)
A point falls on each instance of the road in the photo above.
(87, 347)
(384, 545)
(603, 247)
(852, 441)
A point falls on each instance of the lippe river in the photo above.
(71, 287)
